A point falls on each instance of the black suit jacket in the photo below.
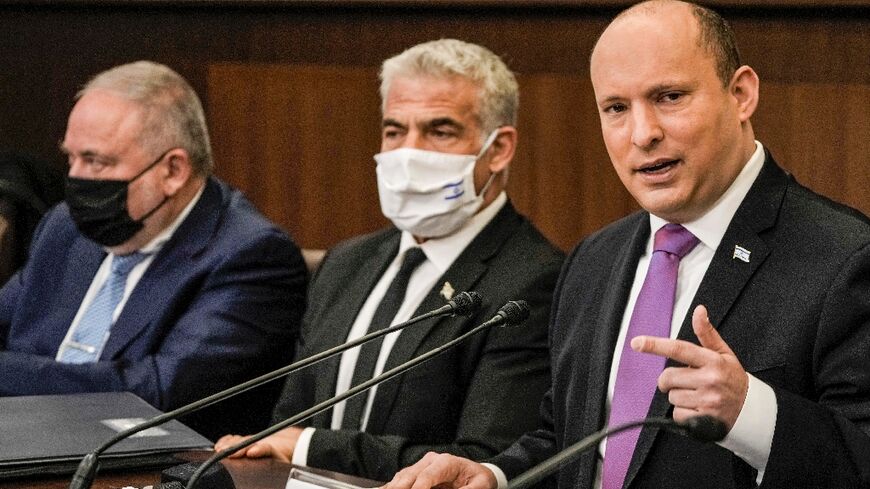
(797, 315)
(475, 399)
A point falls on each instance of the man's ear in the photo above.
(178, 171)
(503, 148)
(744, 88)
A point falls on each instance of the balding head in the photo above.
(711, 31)
(677, 132)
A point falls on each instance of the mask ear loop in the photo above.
(486, 145)
(152, 165)
(148, 214)
(488, 142)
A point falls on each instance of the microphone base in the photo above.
(215, 477)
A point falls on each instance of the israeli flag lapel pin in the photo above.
(741, 253)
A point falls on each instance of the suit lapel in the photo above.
(463, 274)
(86, 257)
(606, 333)
(726, 276)
(354, 293)
(169, 271)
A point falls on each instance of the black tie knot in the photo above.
(413, 258)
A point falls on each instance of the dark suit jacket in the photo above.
(473, 400)
(221, 303)
(797, 316)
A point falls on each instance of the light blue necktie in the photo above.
(92, 331)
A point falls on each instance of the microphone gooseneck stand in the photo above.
(702, 428)
(512, 313)
(463, 303)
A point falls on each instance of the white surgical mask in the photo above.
(427, 193)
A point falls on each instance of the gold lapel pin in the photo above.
(447, 291)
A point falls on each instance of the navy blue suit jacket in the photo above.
(797, 315)
(220, 304)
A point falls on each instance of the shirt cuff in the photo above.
(752, 434)
(499, 475)
(300, 452)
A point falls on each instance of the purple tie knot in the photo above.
(675, 239)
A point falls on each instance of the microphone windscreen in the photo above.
(705, 428)
(169, 485)
(514, 312)
(215, 477)
(466, 303)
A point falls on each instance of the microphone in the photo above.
(463, 304)
(702, 428)
(511, 314)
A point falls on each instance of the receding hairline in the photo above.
(647, 9)
(713, 34)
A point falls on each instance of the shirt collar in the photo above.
(158, 241)
(711, 227)
(442, 252)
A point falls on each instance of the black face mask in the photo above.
(99, 208)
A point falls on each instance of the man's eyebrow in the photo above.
(89, 153)
(443, 121)
(391, 123)
(608, 100)
(650, 91)
(685, 86)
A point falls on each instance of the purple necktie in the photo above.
(638, 373)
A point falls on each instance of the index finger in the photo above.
(681, 351)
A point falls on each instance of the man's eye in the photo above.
(439, 134)
(615, 108)
(94, 163)
(671, 96)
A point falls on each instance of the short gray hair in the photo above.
(498, 94)
(173, 113)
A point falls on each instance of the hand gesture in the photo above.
(712, 382)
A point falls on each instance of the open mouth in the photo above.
(659, 167)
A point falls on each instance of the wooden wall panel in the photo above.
(562, 177)
(821, 133)
(299, 140)
(299, 136)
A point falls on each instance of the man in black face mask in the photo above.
(154, 277)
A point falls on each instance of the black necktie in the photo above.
(369, 352)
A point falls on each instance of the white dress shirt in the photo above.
(440, 255)
(150, 249)
(751, 436)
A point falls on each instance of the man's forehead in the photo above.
(445, 92)
(671, 22)
(103, 123)
(651, 48)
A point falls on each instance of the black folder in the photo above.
(50, 434)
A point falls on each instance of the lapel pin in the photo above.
(741, 253)
(447, 291)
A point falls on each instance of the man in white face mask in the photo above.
(449, 111)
